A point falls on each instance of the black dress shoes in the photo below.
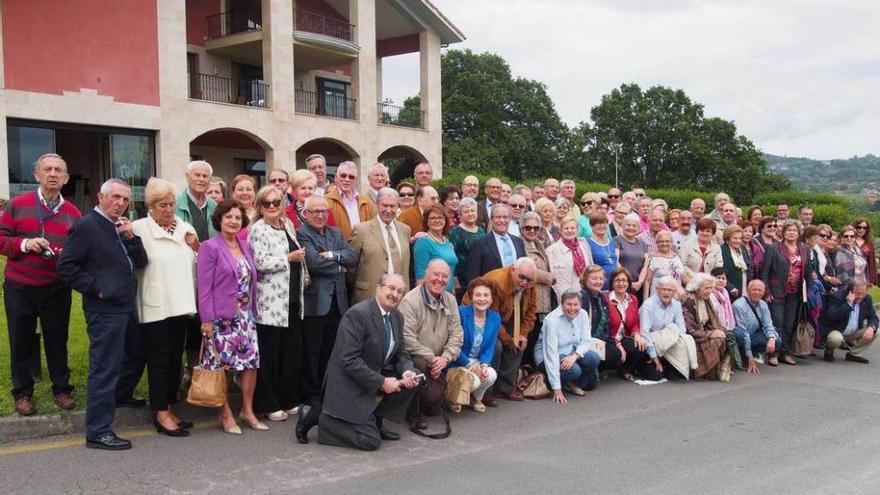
(108, 442)
(186, 425)
(856, 359)
(131, 403)
(308, 418)
(179, 432)
(386, 434)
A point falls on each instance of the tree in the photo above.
(493, 122)
(661, 139)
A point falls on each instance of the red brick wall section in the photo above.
(397, 46)
(197, 12)
(50, 46)
(320, 7)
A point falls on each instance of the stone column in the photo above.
(362, 13)
(429, 72)
(278, 72)
(172, 139)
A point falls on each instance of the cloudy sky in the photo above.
(799, 78)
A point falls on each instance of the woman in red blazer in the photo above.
(227, 279)
(623, 325)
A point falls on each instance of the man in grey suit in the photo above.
(366, 360)
(328, 257)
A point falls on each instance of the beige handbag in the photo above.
(208, 387)
(531, 384)
(459, 386)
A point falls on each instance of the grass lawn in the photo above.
(78, 360)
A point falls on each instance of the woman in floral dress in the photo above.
(661, 263)
(226, 289)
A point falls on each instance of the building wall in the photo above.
(102, 49)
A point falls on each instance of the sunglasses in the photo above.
(640, 195)
(586, 203)
(406, 195)
(613, 196)
(770, 226)
(825, 236)
(347, 176)
(275, 203)
(513, 205)
(849, 237)
(861, 227)
(530, 228)
(278, 181)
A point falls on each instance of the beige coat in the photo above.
(430, 328)
(369, 244)
(562, 265)
(695, 262)
(535, 251)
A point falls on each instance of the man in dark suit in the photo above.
(493, 197)
(850, 322)
(98, 261)
(366, 360)
(495, 249)
(328, 257)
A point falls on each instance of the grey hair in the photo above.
(530, 215)
(46, 156)
(631, 217)
(561, 201)
(384, 279)
(378, 166)
(699, 280)
(438, 260)
(387, 191)
(346, 165)
(525, 260)
(569, 294)
(567, 182)
(286, 175)
(105, 187)
(199, 163)
(499, 206)
(466, 203)
(316, 156)
(667, 280)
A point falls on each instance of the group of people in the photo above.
(344, 307)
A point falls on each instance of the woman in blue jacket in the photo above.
(480, 326)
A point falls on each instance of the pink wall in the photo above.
(397, 46)
(320, 7)
(197, 12)
(50, 46)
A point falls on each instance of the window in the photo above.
(333, 99)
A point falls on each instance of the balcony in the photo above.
(325, 105)
(401, 116)
(236, 35)
(321, 41)
(227, 90)
(231, 22)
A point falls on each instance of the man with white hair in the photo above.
(193, 205)
(518, 205)
(698, 210)
(348, 207)
(721, 199)
(567, 189)
(317, 165)
(377, 176)
(754, 330)
(470, 187)
(655, 226)
(517, 304)
(661, 319)
(551, 189)
(423, 174)
(493, 196)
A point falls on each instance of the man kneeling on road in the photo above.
(361, 387)
(754, 330)
(851, 322)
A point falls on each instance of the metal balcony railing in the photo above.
(206, 87)
(232, 22)
(401, 116)
(320, 24)
(327, 105)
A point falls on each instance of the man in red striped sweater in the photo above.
(33, 231)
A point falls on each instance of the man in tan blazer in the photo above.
(349, 208)
(382, 245)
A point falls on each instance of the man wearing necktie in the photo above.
(98, 261)
(362, 386)
(496, 249)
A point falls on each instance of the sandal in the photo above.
(454, 408)
(628, 377)
(478, 406)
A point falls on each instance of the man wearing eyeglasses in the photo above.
(347, 206)
(493, 197)
(517, 305)
(423, 174)
(613, 198)
(518, 205)
(470, 187)
(281, 180)
(328, 257)
(496, 249)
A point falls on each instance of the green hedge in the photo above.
(796, 199)
(681, 198)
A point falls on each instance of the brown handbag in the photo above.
(804, 335)
(530, 383)
(459, 386)
(208, 387)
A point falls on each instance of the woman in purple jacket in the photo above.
(227, 280)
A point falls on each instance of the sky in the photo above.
(799, 78)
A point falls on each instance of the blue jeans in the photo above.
(758, 340)
(582, 372)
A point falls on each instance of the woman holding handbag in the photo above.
(283, 276)
(166, 299)
(227, 280)
(480, 325)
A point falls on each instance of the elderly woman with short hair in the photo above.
(632, 251)
(166, 299)
(713, 357)
(569, 257)
(530, 227)
(280, 262)
(434, 245)
(546, 210)
(217, 189)
(464, 234)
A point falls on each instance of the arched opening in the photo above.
(335, 152)
(231, 152)
(401, 161)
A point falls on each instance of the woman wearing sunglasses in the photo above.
(865, 243)
(849, 262)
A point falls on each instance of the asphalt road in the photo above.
(809, 429)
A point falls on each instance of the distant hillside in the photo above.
(856, 175)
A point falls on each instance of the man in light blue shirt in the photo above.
(564, 348)
(754, 330)
(657, 312)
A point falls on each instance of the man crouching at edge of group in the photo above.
(361, 388)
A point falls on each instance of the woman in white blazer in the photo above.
(282, 277)
(166, 299)
(569, 257)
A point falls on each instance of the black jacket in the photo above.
(484, 256)
(835, 314)
(93, 263)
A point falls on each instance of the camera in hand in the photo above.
(421, 379)
(47, 253)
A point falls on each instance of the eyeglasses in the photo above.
(406, 195)
(514, 205)
(848, 236)
(317, 212)
(278, 181)
(861, 227)
(640, 195)
(347, 176)
(530, 228)
(271, 204)
(770, 226)
(613, 196)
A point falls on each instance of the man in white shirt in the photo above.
(317, 165)
(382, 245)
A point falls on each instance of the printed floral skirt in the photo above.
(233, 345)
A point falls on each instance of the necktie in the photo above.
(517, 302)
(388, 333)
(507, 250)
(395, 249)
